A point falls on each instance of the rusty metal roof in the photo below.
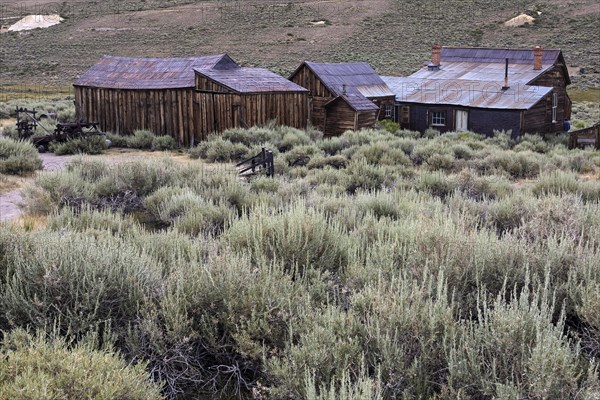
(488, 72)
(488, 64)
(356, 83)
(466, 93)
(250, 80)
(149, 73)
(359, 76)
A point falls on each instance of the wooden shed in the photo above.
(245, 97)
(483, 90)
(347, 96)
(187, 98)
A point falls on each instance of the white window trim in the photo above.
(554, 106)
(443, 116)
(388, 110)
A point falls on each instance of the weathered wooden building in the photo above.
(245, 97)
(187, 98)
(483, 90)
(347, 96)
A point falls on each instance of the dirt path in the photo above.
(10, 202)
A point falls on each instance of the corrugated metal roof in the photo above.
(149, 73)
(466, 93)
(250, 80)
(484, 71)
(353, 82)
(359, 76)
(496, 55)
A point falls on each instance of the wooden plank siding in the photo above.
(121, 111)
(185, 114)
(319, 93)
(538, 119)
(340, 118)
(555, 78)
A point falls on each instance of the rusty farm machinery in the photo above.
(27, 124)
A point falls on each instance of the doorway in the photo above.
(462, 121)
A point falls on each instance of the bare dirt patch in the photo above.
(520, 20)
(35, 21)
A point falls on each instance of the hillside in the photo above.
(394, 36)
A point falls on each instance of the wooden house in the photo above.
(187, 98)
(483, 90)
(347, 96)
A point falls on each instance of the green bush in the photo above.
(219, 150)
(141, 139)
(337, 162)
(95, 144)
(557, 182)
(94, 184)
(35, 367)
(531, 359)
(76, 282)
(389, 125)
(248, 137)
(334, 145)
(264, 184)
(301, 155)
(116, 140)
(11, 132)
(436, 183)
(165, 142)
(363, 176)
(300, 239)
(18, 157)
(380, 153)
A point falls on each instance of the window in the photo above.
(438, 118)
(554, 106)
(388, 110)
(405, 115)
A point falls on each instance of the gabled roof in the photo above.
(250, 80)
(489, 63)
(354, 82)
(149, 73)
(466, 93)
(357, 102)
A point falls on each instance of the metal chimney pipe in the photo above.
(505, 87)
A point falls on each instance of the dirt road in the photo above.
(10, 202)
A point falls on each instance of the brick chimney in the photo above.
(436, 54)
(537, 57)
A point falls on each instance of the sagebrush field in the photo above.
(376, 265)
(380, 264)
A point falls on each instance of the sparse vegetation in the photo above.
(381, 264)
(341, 276)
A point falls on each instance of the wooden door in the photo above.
(462, 121)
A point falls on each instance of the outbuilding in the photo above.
(187, 98)
(346, 96)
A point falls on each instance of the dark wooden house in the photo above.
(483, 90)
(347, 96)
(187, 98)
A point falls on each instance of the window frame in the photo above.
(554, 106)
(443, 116)
(388, 110)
